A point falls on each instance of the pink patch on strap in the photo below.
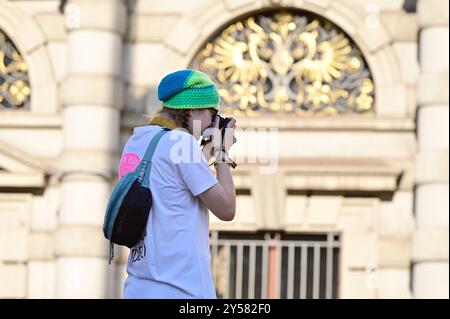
(128, 163)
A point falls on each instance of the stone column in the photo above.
(92, 96)
(430, 244)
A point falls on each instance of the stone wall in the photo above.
(94, 72)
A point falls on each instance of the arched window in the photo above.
(15, 88)
(287, 62)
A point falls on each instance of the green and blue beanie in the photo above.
(188, 89)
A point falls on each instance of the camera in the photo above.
(207, 134)
(223, 121)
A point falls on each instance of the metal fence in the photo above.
(275, 266)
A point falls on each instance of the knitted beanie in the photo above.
(188, 89)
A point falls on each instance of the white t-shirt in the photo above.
(173, 260)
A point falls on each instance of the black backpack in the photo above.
(130, 203)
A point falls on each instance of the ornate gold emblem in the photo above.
(286, 62)
(14, 85)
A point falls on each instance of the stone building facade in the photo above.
(78, 75)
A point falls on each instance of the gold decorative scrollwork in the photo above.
(14, 85)
(287, 62)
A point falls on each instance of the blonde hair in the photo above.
(180, 116)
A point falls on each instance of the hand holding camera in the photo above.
(219, 138)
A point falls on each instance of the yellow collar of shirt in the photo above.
(163, 122)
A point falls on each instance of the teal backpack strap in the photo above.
(144, 173)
